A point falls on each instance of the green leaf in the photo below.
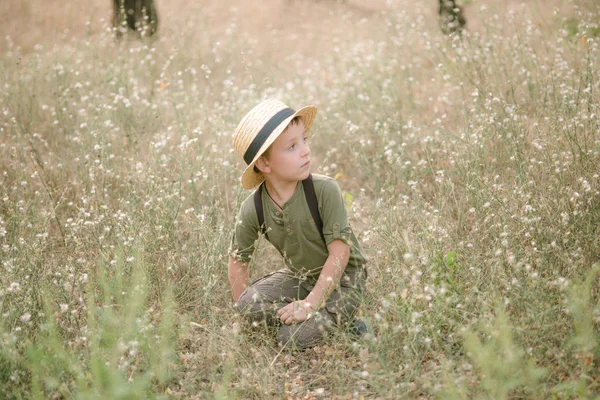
(451, 259)
(349, 199)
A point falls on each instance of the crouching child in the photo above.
(304, 217)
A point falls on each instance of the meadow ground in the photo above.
(471, 171)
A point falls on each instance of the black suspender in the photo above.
(311, 200)
(313, 204)
(259, 210)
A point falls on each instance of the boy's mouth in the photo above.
(305, 164)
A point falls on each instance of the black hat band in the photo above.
(265, 132)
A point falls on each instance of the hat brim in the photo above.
(250, 179)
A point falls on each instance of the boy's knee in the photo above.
(250, 306)
(245, 302)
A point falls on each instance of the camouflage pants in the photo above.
(261, 300)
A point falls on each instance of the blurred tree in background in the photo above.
(135, 15)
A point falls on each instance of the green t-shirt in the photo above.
(294, 233)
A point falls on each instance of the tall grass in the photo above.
(471, 166)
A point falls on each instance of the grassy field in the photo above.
(471, 166)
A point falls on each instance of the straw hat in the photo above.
(259, 129)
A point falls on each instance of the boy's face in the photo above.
(289, 156)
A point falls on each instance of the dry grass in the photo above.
(472, 163)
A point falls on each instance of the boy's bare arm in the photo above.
(301, 310)
(238, 277)
(339, 254)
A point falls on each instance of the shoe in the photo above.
(358, 328)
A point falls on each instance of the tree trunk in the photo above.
(451, 17)
(135, 15)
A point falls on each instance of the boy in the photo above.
(304, 217)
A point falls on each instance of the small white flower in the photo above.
(14, 287)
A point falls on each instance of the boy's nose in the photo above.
(305, 149)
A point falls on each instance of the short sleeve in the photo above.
(333, 213)
(245, 232)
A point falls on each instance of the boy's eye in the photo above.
(305, 139)
(292, 147)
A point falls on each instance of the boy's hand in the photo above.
(298, 311)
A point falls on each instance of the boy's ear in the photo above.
(263, 165)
